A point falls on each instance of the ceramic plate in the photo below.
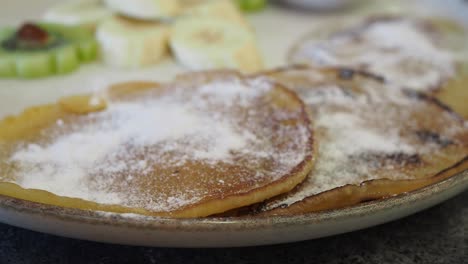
(221, 232)
(211, 232)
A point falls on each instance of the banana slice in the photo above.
(223, 9)
(78, 12)
(202, 43)
(145, 9)
(191, 3)
(129, 43)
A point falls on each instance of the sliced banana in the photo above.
(145, 9)
(78, 12)
(223, 9)
(202, 43)
(191, 3)
(129, 43)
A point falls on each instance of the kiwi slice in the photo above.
(251, 5)
(43, 49)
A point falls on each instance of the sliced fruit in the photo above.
(88, 50)
(132, 43)
(36, 65)
(251, 5)
(65, 59)
(38, 50)
(78, 12)
(145, 9)
(206, 43)
(7, 67)
(222, 9)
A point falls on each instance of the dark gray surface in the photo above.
(437, 235)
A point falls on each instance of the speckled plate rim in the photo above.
(234, 223)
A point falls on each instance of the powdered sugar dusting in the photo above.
(352, 136)
(63, 166)
(346, 136)
(365, 133)
(399, 49)
(147, 152)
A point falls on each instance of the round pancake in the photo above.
(424, 54)
(207, 143)
(374, 140)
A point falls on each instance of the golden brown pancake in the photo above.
(202, 145)
(423, 54)
(374, 140)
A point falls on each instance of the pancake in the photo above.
(375, 140)
(424, 54)
(205, 144)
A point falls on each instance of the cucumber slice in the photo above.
(66, 60)
(34, 65)
(61, 52)
(88, 50)
(251, 5)
(7, 67)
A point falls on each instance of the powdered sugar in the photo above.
(67, 163)
(363, 134)
(114, 156)
(351, 135)
(346, 137)
(229, 93)
(399, 49)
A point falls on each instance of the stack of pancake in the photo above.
(358, 120)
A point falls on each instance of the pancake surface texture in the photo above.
(424, 54)
(202, 145)
(374, 138)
